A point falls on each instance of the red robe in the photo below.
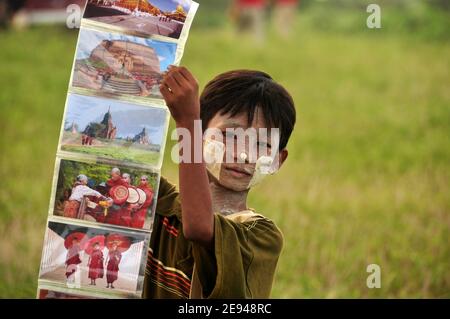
(138, 219)
(97, 213)
(118, 216)
(72, 258)
(96, 264)
(113, 266)
(111, 182)
(125, 213)
(71, 208)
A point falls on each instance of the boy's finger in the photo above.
(166, 88)
(179, 78)
(187, 74)
(171, 83)
(165, 93)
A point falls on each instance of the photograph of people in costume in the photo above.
(106, 194)
(91, 258)
(114, 130)
(118, 64)
(159, 17)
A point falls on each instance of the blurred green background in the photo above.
(367, 178)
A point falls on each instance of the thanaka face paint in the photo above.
(265, 166)
(214, 154)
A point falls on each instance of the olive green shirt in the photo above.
(241, 265)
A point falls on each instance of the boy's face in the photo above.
(237, 175)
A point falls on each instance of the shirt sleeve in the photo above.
(168, 200)
(243, 262)
(87, 191)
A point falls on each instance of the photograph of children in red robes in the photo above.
(86, 258)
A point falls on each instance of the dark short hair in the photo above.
(242, 91)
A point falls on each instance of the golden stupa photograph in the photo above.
(121, 64)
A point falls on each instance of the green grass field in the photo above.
(366, 181)
(121, 150)
(131, 154)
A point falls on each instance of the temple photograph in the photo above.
(113, 129)
(116, 64)
(150, 17)
(84, 258)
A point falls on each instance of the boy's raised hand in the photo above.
(180, 91)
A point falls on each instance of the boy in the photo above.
(206, 242)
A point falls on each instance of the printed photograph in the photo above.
(91, 258)
(54, 294)
(159, 17)
(106, 194)
(113, 129)
(118, 64)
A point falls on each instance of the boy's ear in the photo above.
(282, 157)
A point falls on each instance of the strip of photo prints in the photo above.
(111, 148)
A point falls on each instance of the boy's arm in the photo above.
(180, 91)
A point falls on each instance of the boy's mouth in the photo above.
(237, 171)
